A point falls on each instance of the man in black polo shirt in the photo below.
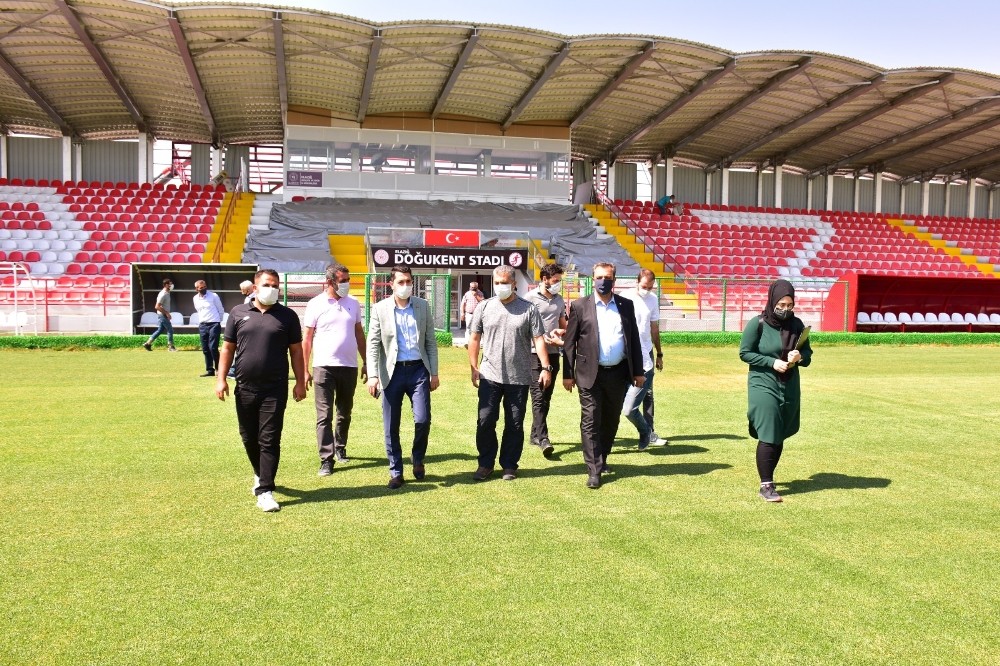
(264, 333)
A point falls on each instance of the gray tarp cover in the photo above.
(296, 239)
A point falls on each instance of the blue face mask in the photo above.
(603, 286)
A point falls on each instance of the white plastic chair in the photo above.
(945, 318)
(982, 318)
(225, 318)
(918, 318)
(863, 318)
(176, 319)
(149, 319)
(904, 318)
(931, 318)
(995, 318)
(970, 318)
(194, 319)
(877, 318)
(890, 318)
(956, 318)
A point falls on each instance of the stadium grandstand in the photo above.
(298, 138)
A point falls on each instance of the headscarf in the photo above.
(789, 328)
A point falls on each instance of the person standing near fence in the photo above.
(266, 334)
(638, 407)
(773, 347)
(334, 339)
(210, 314)
(164, 325)
(403, 357)
(470, 300)
(552, 308)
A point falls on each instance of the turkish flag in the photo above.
(453, 237)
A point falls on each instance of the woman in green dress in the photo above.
(769, 348)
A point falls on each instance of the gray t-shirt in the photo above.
(551, 310)
(508, 333)
(163, 300)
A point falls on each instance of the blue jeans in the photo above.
(163, 326)
(415, 382)
(515, 400)
(209, 334)
(633, 411)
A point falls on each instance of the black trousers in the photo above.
(334, 390)
(514, 398)
(542, 398)
(600, 413)
(260, 410)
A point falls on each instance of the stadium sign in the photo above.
(386, 257)
(304, 179)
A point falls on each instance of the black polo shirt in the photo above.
(262, 340)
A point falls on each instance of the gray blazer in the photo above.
(382, 345)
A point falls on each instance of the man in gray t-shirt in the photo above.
(163, 318)
(552, 308)
(506, 327)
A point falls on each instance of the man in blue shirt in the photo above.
(603, 356)
(403, 361)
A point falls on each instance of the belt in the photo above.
(608, 367)
(407, 364)
(208, 323)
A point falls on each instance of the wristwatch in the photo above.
(547, 368)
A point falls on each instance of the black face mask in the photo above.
(782, 314)
(203, 291)
(603, 286)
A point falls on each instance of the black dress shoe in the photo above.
(208, 373)
(482, 473)
(546, 447)
(341, 456)
(594, 482)
(419, 472)
(395, 483)
(605, 469)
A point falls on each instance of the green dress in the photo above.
(773, 409)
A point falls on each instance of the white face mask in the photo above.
(267, 295)
(554, 287)
(641, 291)
(343, 289)
(403, 291)
(503, 291)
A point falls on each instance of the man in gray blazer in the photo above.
(403, 359)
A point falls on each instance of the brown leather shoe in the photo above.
(395, 482)
(482, 473)
(419, 472)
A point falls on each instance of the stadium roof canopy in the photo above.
(227, 73)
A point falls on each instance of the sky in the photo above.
(887, 33)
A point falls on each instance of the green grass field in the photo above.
(130, 535)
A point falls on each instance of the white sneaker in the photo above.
(256, 485)
(265, 502)
(656, 440)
